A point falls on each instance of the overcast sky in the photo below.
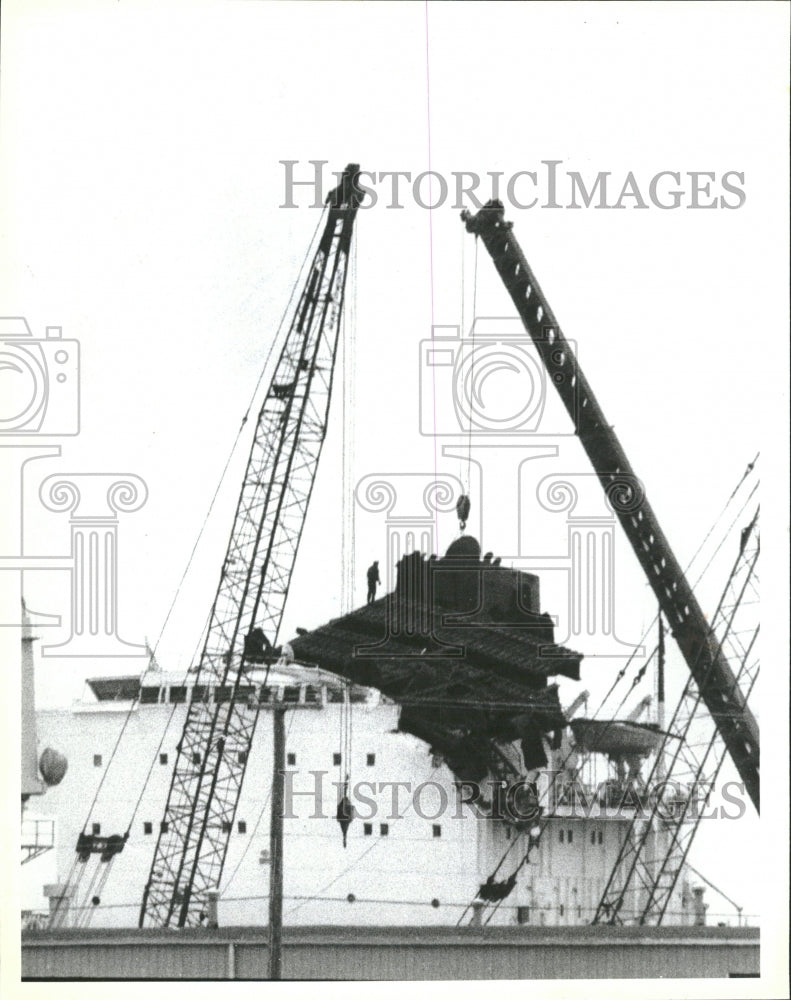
(142, 185)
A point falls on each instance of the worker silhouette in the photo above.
(373, 580)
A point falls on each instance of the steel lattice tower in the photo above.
(689, 758)
(254, 582)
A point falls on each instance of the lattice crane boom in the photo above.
(654, 849)
(706, 662)
(254, 581)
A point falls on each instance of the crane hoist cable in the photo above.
(349, 343)
(344, 811)
(468, 346)
(473, 329)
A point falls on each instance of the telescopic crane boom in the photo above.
(254, 581)
(700, 648)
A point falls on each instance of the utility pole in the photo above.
(279, 709)
(276, 845)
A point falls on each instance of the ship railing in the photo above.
(38, 837)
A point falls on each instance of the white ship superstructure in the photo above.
(416, 853)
